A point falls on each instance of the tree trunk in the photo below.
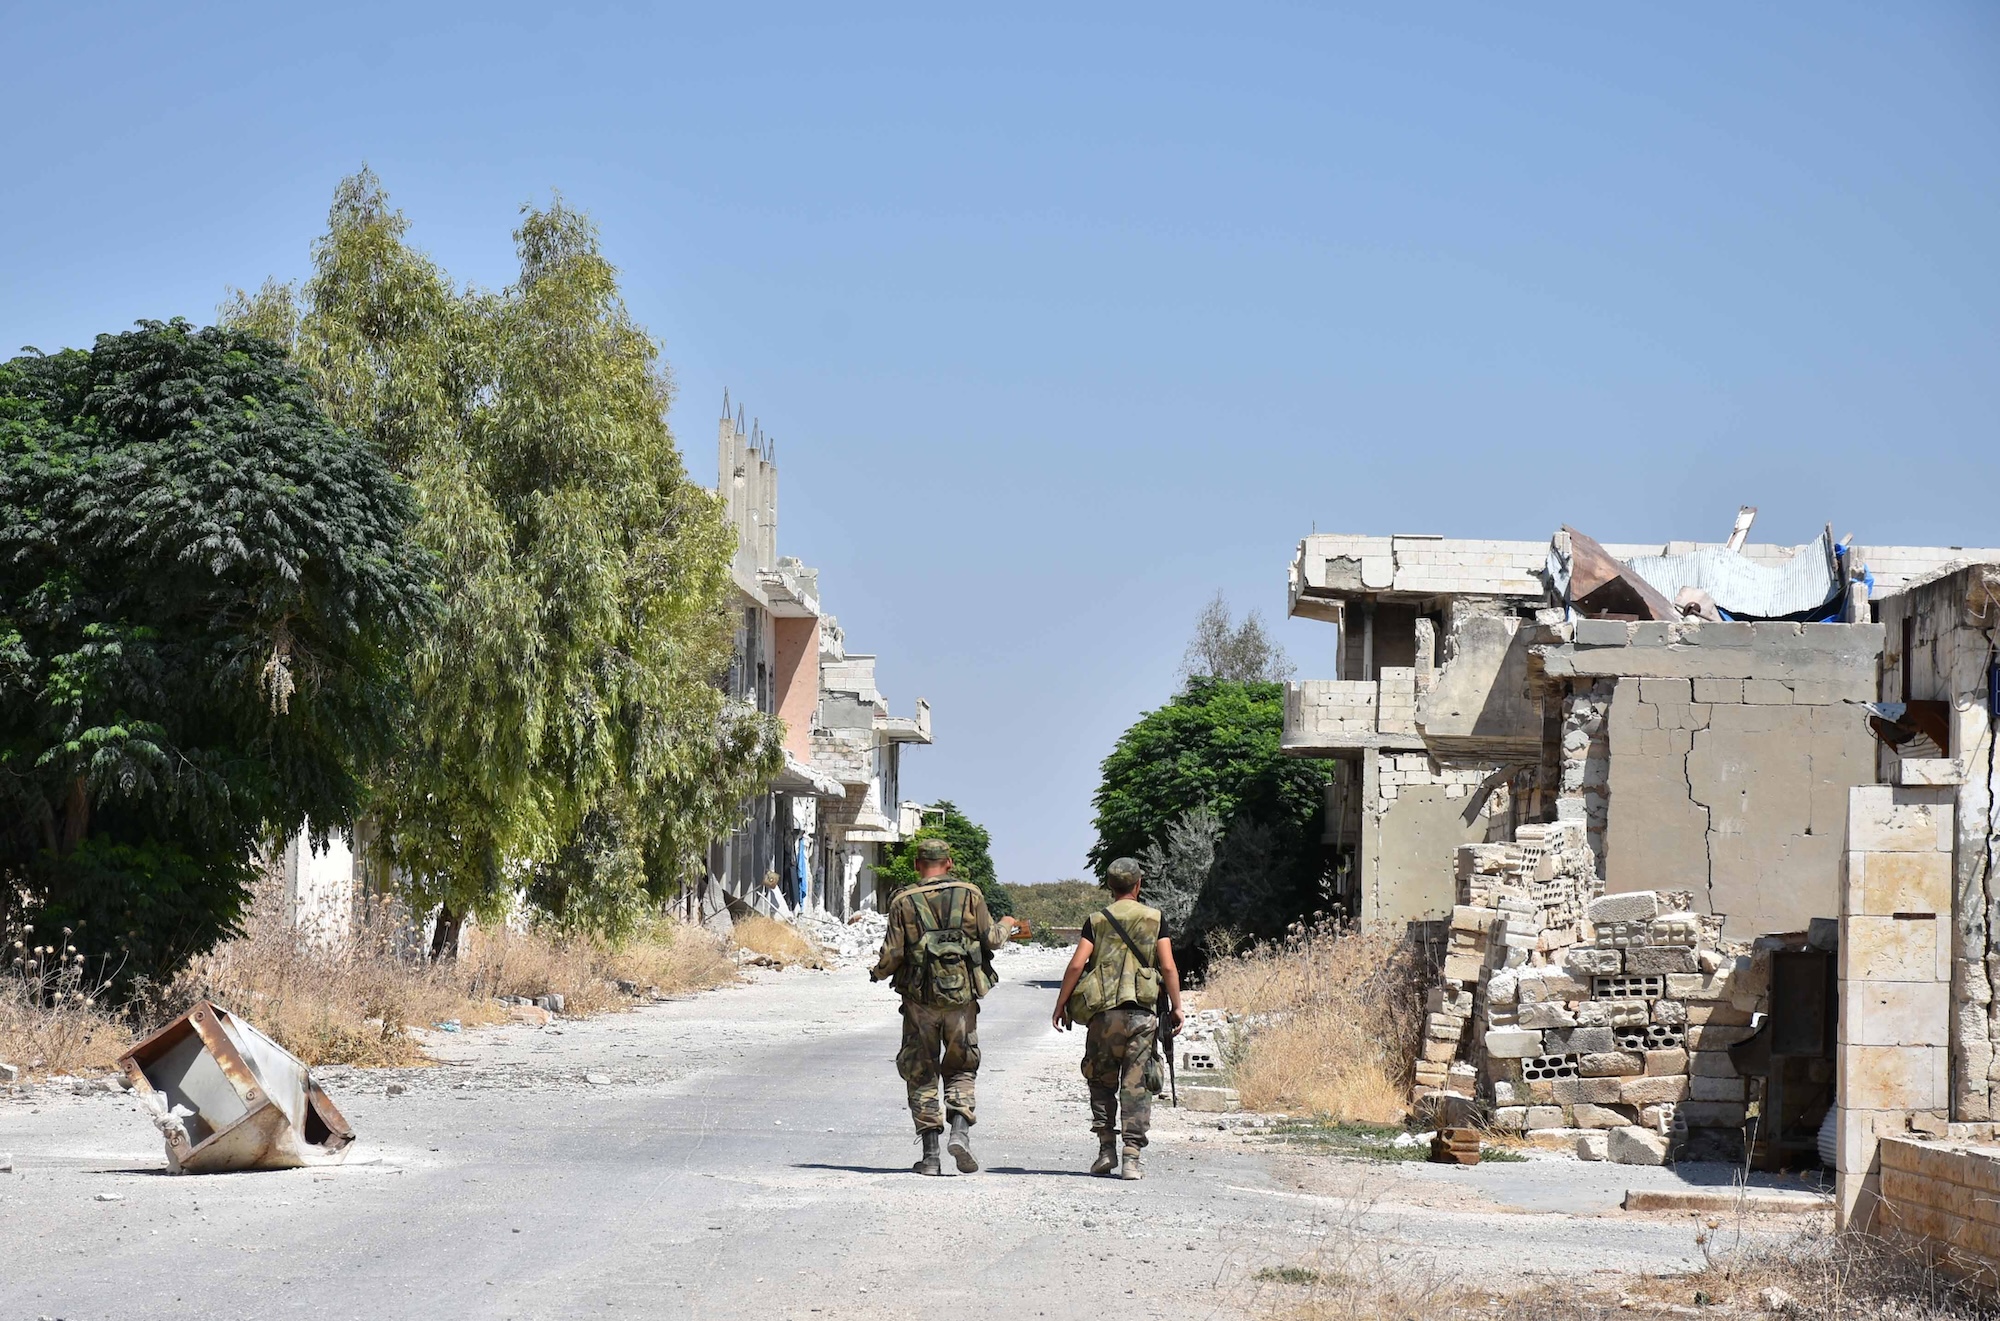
(75, 817)
(444, 936)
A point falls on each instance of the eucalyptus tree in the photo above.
(569, 741)
(206, 590)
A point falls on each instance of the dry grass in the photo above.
(357, 1003)
(1838, 1275)
(50, 1018)
(778, 941)
(1343, 1017)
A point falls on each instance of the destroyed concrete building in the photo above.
(814, 839)
(1775, 752)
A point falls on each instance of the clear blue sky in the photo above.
(1064, 323)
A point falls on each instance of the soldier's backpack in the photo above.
(947, 960)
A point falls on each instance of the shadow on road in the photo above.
(904, 1169)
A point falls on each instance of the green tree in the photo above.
(569, 740)
(970, 858)
(206, 590)
(1215, 746)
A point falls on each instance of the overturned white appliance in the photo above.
(227, 1097)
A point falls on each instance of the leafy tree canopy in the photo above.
(970, 859)
(569, 741)
(1215, 746)
(206, 589)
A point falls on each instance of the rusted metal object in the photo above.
(1455, 1146)
(227, 1097)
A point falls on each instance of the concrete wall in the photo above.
(1731, 751)
(1948, 1194)
(1895, 979)
(795, 663)
(1415, 814)
(1480, 702)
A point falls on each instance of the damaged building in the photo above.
(814, 839)
(1703, 830)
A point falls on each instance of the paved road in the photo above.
(748, 1158)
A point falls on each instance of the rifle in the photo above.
(1164, 1034)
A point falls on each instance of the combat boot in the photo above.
(960, 1145)
(1107, 1154)
(928, 1163)
(1131, 1167)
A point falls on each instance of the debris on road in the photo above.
(226, 1097)
(857, 939)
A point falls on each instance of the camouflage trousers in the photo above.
(1115, 1048)
(939, 1042)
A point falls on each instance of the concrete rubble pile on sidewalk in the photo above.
(854, 941)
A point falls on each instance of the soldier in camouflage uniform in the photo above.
(1122, 967)
(938, 954)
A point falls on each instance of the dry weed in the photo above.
(1343, 1013)
(1828, 1274)
(51, 1020)
(779, 941)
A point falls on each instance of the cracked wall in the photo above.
(1731, 751)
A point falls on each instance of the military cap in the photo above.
(933, 850)
(1125, 870)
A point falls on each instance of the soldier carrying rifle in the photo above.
(1120, 983)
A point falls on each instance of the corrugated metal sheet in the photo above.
(1807, 581)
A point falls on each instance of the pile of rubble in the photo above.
(1608, 1020)
(847, 942)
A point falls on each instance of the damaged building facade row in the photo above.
(815, 838)
(1782, 755)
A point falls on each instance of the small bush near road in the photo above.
(1342, 1014)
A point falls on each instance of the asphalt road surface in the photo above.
(745, 1153)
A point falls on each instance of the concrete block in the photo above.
(1636, 1146)
(1666, 1063)
(1210, 1100)
(1659, 959)
(1591, 1146)
(1584, 1091)
(1895, 1014)
(1715, 1038)
(1711, 1064)
(1766, 692)
(1551, 984)
(1712, 1114)
(1717, 1013)
(1600, 633)
(1653, 1090)
(1509, 1094)
(1660, 691)
(1669, 1013)
(1882, 884)
(1462, 966)
(1510, 1118)
(1503, 987)
(1674, 929)
(1894, 949)
(1893, 1077)
(1553, 1014)
(1580, 1041)
(1916, 771)
(1467, 918)
(1636, 906)
(1611, 1064)
(1728, 691)
(1513, 1043)
(1543, 1116)
(1599, 1116)
(1590, 961)
(1717, 1089)
(1898, 819)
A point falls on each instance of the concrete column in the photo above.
(1368, 840)
(1895, 980)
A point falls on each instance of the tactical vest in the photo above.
(947, 962)
(1117, 977)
